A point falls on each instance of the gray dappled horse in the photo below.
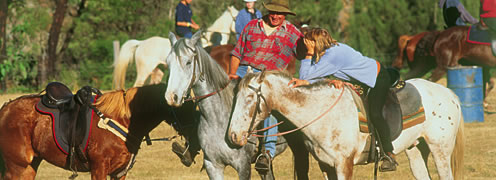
(192, 69)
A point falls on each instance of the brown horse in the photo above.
(27, 139)
(439, 50)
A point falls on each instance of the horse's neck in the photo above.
(216, 108)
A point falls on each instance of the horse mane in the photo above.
(114, 104)
(122, 104)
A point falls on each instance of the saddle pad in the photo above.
(476, 35)
(57, 127)
(412, 111)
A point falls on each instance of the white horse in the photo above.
(218, 33)
(149, 54)
(329, 119)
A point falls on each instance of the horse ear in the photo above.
(262, 76)
(172, 38)
(195, 39)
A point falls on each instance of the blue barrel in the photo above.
(466, 82)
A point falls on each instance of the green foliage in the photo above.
(371, 27)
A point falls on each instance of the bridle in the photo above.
(260, 96)
(196, 62)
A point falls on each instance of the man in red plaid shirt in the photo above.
(268, 43)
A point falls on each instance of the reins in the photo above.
(259, 94)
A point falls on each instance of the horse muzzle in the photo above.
(239, 139)
(174, 100)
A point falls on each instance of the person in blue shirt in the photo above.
(455, 14)
(245, 15)
(184, 23)
(325, 57)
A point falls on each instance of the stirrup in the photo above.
(387, 167)
(263, 167)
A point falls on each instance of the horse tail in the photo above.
(402, 42)
(126, 55)
(458, 151)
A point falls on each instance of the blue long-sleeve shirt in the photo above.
(465, 16)
(243, 18)
(343, 62)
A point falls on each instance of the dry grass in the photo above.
(158, 162)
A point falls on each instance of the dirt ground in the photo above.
(158, 161)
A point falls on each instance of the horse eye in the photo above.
(188, 63)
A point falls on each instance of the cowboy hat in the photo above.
(279, 6)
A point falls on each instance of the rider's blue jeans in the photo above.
(270, 142)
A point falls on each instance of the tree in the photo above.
(3, 34)
(47, 64)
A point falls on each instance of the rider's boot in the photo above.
(388, 162)
(183, 153)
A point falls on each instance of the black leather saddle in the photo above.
(71, 117)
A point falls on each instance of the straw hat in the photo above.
(279, 6)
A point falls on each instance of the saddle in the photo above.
(403, 109)
(71, 117)
(478, 34)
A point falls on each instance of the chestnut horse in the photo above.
(439, 50)
(27, 139)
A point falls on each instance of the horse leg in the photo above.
(16, 170)
(156, 76)
(214, 171)
(244, 170)
(417, 163)
(99, 170)
(442, 159)
(144, 70)
(438, 73)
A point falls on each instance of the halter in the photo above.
(258, 91)
(196, 60)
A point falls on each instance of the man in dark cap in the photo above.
(268, 43)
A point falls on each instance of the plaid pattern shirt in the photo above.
(272, 52)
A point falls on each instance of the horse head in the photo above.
(252, 108)
(183, 66)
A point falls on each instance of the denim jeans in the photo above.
(270, 142)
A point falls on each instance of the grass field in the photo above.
(158, 161)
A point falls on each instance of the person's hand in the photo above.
(310, 45)
(195, 26)
(233, 76)
(339, 84)
(297, 82)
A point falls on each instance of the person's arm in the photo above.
(194, 25)
(311, 72)
(465, 15)
(233, 67)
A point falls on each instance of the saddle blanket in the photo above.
(58, 127)
(476, 35)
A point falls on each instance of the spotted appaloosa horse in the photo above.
(328, 118)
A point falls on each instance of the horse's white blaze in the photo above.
(335, 138)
